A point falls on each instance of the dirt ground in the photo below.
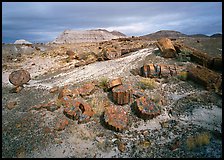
(29, 133)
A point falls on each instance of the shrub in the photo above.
(147, 83)
(182, 76)
(103, 83)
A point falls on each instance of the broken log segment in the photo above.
(158, 70)
(166, 47)
(116, 118)
(114, 82)
(201, 58)
(205, 77)
(146, 108)
(122, 94)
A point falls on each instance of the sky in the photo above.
(44, 21)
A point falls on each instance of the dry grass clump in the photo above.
(98, 105)
(182, 75)
(197, 141)
(147, 83)
(103, 82)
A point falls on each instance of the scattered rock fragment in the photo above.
(54, 89)
(121, 147)
(116, 118)
(11, 104)
(86, 89)
(61, 124)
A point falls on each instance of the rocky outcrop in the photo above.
(22, 41)
(77, 36)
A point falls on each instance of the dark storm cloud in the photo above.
(43, 21)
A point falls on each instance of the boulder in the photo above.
(166, 47)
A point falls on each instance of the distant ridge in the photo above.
(216, 35)
(165, 33)
(94, 35)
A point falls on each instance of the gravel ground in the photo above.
(188, 110)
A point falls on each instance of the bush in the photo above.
(98, 105)
(147, 83)
(197, 141)
(103, 82)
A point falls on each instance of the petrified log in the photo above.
(205, 77)
(150, 70)
(116, 118)
(110, 53)
(122, 94)
(78, 109)
(202, 58)
(64, 92)
(86, 89)
(159, 70)
(114, 82)
(19, 77)
(146, 108)
(71, 54)
(166, 47)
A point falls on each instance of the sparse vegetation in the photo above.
(197, 141)
(147, 83)
(98, 105)
(182, 76)
(103, 83)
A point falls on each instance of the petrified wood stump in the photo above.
(146, 108)
(205, 77)
(122, 94)
(114, 82)
(166, 47)
(116, 118)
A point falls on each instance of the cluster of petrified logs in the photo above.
(171, 49)
(124, 94)
(207, 73)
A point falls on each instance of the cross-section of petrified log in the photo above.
(116, 118)
(114, 82)
(110, 53)
(122, 94)
(146, 108)
(205, 77)
(77, 109)
(19, 77)
(166, 47)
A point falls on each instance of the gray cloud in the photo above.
(43, 21)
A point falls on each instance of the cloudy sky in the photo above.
(44, 21)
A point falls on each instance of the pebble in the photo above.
(121, 147)
(12, 104)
